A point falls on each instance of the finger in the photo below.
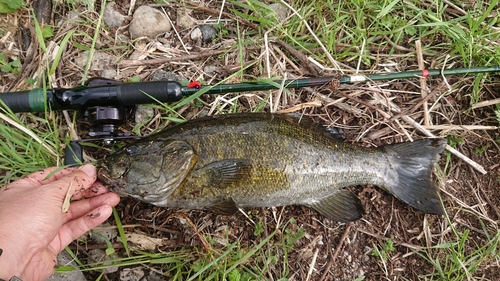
(77, 181)
(82, 207)
(76, 228)
(95, 189)
(85, 183)
(40, 178)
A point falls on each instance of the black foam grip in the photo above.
(73, 154)
(17, 101)
(149, 92)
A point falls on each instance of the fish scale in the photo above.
(231, 161)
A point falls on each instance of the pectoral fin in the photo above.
(224, 173)
(225, 207)
(342, 206)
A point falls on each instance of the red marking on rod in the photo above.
(425, 73)
(194, 84)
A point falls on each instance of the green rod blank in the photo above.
(315, 82)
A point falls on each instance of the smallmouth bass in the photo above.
(230, 161)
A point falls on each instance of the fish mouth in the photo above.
(111, 184)
(104, 177)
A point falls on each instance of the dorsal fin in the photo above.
(308, 122)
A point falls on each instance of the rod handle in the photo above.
(149, 92)
(26, 101)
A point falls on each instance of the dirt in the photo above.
(328, 250)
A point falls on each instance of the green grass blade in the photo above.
(121, 232)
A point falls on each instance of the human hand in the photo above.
(33, 226)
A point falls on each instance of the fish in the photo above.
(226, 162)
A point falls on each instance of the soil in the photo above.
(328, 250)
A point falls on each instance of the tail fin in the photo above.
(414, 163)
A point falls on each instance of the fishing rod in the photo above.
(104, 102)
(108, 92)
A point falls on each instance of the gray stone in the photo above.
(280, 11)
(100, 60)
(65, 259)
(196, 35)
(184, 19)
(112, 17)
(109, 73)
(148, 22)
(210, 69)
(154, 276)
(208, 32)
(99, 255)
(131, 274)
(73, 16)
(101, 234)
(162, 75)
(143, 114)
(203, 33)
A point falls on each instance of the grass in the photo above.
(232, 262)
(462, 257)
(28, 144)
(362, 36)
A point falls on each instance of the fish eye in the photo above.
(131, 150)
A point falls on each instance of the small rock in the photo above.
(100, 60)
(153, 276)
(280, 11)
(108, 73)
(209, 69)
(99, 255)
(143, 114)
(148, 22)
(65, 259)
(101, 236)
(71, 17)
(184, 19)
(122, 38)
(208, 32)
(196, 35)
(162, 75)
(112, 17)
(131, 274)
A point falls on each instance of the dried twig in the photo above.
(303, 58)
(351, 97)
(337, 251)
(194, 56)
(459, 127)
(313, 263)
(328, 55)
(422, 101)
(423, 82)
(486, 103)
(300, 107)
(397, 242)
(218, 13)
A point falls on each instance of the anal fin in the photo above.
(342, 206)
(225, 207)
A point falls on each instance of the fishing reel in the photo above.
(105, 121)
